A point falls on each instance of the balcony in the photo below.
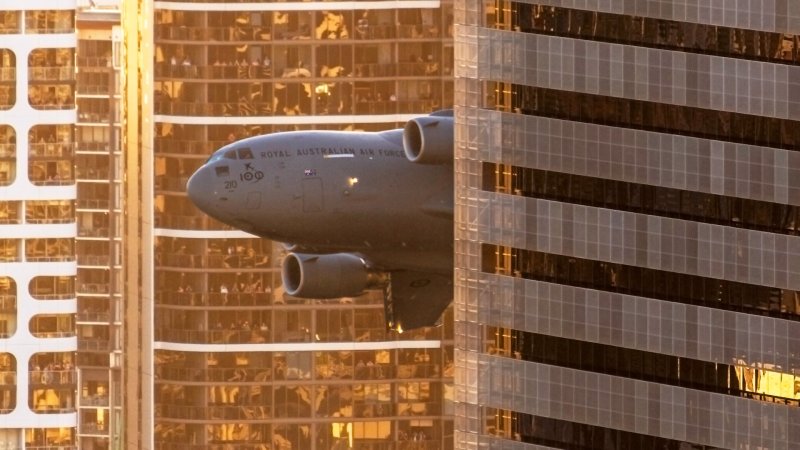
(216, 109)
(8, 378)
(59, 150)
(86, 173)
(219, 375)
(8, 74)
(94, 345)
(94, 260)
(50, 447)
(173, 184)
(93, 428)
(223, 34)
(93, 62)
(93, 288)
(56, 73)
(88, 146)
(94, 401)
(212, 412)
(188, 222)
(8, 150)
(53, 296)
(187, 147)
(52, 334)
(84, 203)
(52, 377)
(214, 72)
(212, 261)
(215, 299)
(8, 303)
(94, 316)
(211, 336)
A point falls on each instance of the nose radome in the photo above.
(200, 190)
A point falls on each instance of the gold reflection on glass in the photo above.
(765, 380)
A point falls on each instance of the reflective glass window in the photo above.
(52, 383)
(50, 249)
(8, 383)
(8, 78)
(47, 287)
(9, 22)
(9, 250)
(51, 150)
(641, 281)
(649, 32)
(10, 212)
(50, 21)
(651, 116)
(51, 64)
(49, 211)
(52, 325)
(641, 198)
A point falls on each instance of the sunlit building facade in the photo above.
(98, 165)
(37, 224)
(627, 220)
(237, 364)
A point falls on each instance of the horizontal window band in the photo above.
(642, 198)
(739, 380)
(562, 434)
(643, 115)
(639, 281)
(779, 48)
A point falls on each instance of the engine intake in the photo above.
(328, 276)
(429, 140)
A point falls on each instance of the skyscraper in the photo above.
(227, 360)
(37, 224)
(627, 250)
(99, 208)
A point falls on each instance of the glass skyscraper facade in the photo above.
(627, 224)
(237, 364)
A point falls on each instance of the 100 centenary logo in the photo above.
(251, 174)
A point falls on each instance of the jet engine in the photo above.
(429, 139)
(328, 276)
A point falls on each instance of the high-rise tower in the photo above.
(37, 223)
(627, 220)
(98, 162)
(235, 362)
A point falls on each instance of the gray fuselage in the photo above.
(329, 191)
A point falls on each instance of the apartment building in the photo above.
(99, 208)
(38, 225)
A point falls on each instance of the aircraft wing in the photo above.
(416, 299)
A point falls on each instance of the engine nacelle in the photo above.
(429, 140)
(328, 276)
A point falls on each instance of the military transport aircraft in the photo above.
(356, 210)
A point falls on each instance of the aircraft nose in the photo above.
(200, 190)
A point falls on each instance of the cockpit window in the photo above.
(222, 171)
(230, 154)
(245, 153)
